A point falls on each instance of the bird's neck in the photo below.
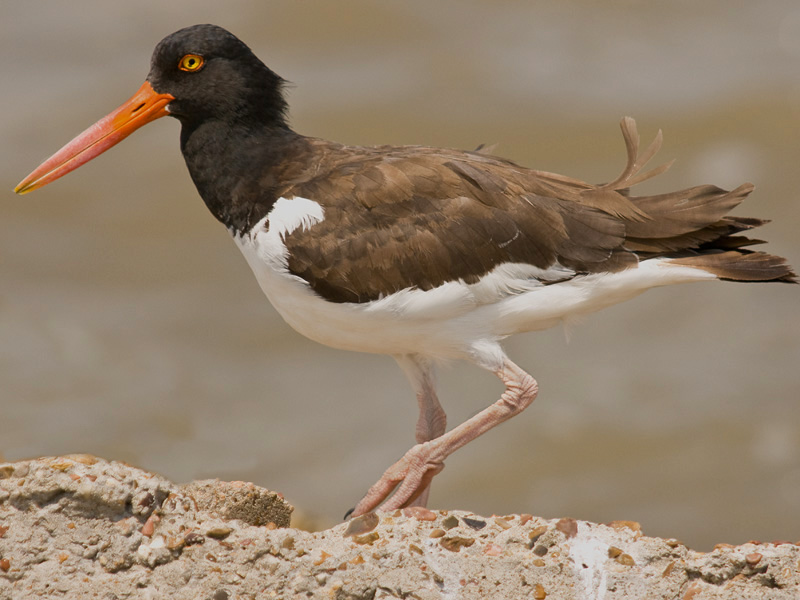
(238, 169)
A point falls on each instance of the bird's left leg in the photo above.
(414, 471)
(432, 421)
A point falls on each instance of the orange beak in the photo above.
(146, 105)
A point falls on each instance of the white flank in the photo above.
(453, 321)
(553, 304)
(511, 279)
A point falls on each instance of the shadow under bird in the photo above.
(424, 254)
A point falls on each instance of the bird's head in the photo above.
(197, 74)
(212, 74)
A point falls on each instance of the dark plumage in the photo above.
(433, 215)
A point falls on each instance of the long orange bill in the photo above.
(146, 105)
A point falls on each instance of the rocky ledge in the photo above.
(81, 527)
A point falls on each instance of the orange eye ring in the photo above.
(191, 63)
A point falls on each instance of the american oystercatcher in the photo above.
(425, 254)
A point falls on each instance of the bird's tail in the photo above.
(692, 227)
(740, 265)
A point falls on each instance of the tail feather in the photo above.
(719, 235)
(685, 211)
(691, 227)
(733, 242)
(741, 265)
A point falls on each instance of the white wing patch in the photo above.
(264, 245)
(290, 213)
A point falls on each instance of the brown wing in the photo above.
(400, 217)
(408, 218)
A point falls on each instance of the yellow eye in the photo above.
(191, 62)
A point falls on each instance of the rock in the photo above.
(78, 526)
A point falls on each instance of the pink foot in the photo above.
(413, 473)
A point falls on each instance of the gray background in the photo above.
(131, 328)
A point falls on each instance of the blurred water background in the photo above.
(131, 328)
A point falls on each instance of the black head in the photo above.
(212, 74)
(232, 113)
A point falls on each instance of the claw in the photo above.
(404, 482)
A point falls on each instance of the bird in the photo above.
(424, 254)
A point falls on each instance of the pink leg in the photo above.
(432, 421)
(413, 472)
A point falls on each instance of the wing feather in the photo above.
(418, 217)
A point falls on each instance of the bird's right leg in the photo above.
(432, 421)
